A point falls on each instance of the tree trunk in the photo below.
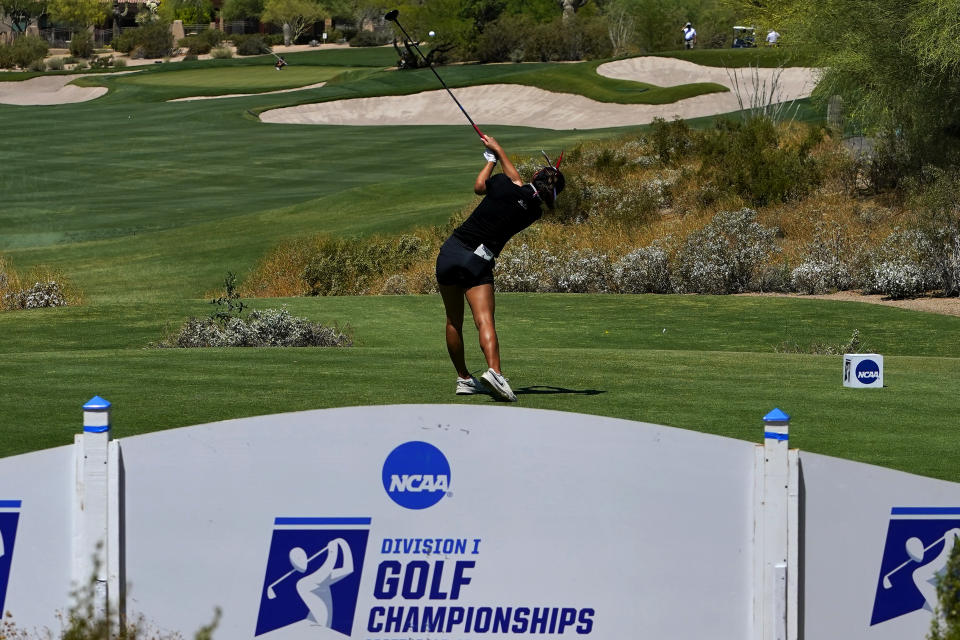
(287, 31)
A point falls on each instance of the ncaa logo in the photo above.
(416, 475)
(919, 543)
(9, 517)
(867, 372)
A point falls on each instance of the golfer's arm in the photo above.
(480, 186)
(508, 169)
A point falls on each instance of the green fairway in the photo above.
(259, 79)
(698, 362)
(145, 205)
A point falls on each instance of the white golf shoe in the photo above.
(470, 386)
(499, 386)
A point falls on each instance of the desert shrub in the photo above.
(854, 345)
(151, 40)
(56, 64)
(6, 56)
(578, 38)
(81, 65)
(221, 53)
(81, 44)
(195, 44)
(577, 271)
(946, 620)
(903, 265)
(37, 65)
(826, 263)
(38, 296)
(26, 50)
(670, 140)
(747, 159)
(262, 328)
(348, 266)
(365, 38)
(935, 197)
(725, 256)
(101, 62)
(250, 45)
(119, 62)
(505, 39)
(643, 270)
(125, 41)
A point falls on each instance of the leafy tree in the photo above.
(895, 64)
(189, 11)
(18, 14)
(294, 16)
(242, 9)
(79, 14)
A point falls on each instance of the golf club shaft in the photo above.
(464, 111)
(292, 571)
(911, 560)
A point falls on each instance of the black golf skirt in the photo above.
(458, 265)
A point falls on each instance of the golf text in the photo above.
(413, 583)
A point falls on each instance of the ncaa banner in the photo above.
(429, 521)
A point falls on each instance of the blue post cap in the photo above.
(96, 415)
(96, 403)
(777, 426)
(776, 416)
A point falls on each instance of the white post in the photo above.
(96, 534)
(776, 533)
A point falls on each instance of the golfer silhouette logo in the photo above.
(313, 575)
(9, 517)
(919, 542)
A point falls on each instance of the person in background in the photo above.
(689, 36)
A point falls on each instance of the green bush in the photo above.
(125, 42)
(26, 50)
(747, 159)
(250, 45)
(101, 62)
(56, 64)
(202, 42)
(81, 44)
(519, 38)
(221, 53)
(6, 57)
(195, 45)
(369, 39)
(152, 40)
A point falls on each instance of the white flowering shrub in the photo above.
(643, 270)
(523, 269)
(725, 256)
(826, 266)
(904, 265)
(538, 271)
(40, 295)
(584, 271)
(262, 328)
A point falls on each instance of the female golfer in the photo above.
(465, 263)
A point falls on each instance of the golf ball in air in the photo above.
(432, 33)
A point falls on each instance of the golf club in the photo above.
(392, 17)
(886, 579)
(271, 594)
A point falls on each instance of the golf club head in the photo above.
(392, 15)
(271, 594)
(886, 582)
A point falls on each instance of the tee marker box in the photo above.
(863, 370)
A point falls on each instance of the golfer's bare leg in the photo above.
(453, 304)
(482, 305)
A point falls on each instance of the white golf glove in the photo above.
(489, 155)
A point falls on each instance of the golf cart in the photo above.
(744, 37)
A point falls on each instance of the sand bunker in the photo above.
(46, 90)
(528, 106)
